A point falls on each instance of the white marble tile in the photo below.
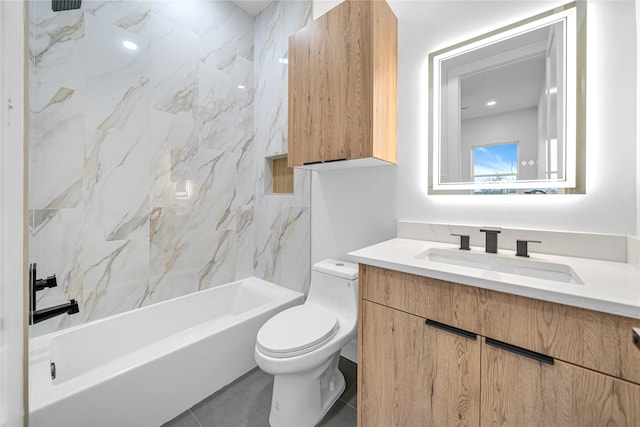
(57, 45)
(182, 249)
(126, 14)
(116, 190)
(55, 151)
(115, 277)
(217, 111)
(172, 151)
(295, 253)
(55, 245)
(282, 222)
(246, 174)
(117, 81)
(245, 241)
(197, 16)
(280, 233)
(229, 34)
(106, 53)
(173, 283)
(175, 160)
(173, 70)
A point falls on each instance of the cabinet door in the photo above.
(348, 117)
(520, 391)
(414, 374)
(306, 94)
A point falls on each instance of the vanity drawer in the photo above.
(595, 340)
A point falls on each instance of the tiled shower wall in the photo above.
(283, 222)
(147, 166)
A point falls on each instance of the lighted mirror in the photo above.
(507, 109)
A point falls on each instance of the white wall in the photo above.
(12, 214)
(609, 205)
(351, 209)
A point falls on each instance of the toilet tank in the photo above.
(334, 284)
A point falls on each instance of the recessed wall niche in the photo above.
(279, 176)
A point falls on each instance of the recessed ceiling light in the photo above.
(240, 86)
(129, 45)
(553, 90)
(491, 103)
(283, 60)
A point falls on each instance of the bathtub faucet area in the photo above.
(36, 316)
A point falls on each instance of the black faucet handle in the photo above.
(32, 274)
(522, 248)
(490, 230)
(464, 241)
(491, 240)
(49, 282)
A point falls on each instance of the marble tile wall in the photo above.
(283, 222)
(146, 166)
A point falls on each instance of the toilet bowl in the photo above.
(301, 346)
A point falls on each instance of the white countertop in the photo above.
(610, 287)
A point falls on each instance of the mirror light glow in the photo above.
(564, 151)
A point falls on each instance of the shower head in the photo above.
(60, 5)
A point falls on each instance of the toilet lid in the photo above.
(297, 331)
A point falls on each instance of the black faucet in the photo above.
(491, 240)
(522, 248)
(36, 316)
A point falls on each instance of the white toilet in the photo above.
(301, 346)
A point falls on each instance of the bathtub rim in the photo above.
(43, 392)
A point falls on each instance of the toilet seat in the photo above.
(297, 331)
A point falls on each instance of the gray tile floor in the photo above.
(246, 403)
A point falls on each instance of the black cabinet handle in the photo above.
(451, 329)
(519, 350)
(636, 337)
(317, 162)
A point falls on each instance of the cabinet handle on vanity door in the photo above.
(451, 329)
(636, 337)
(519, 350)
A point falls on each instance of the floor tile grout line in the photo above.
(347, 403)
(194, 417)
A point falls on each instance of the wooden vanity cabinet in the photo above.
(531, 363)
(343, 86)
(407, 363)
(520, 391)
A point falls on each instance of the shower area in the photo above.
(151, 127)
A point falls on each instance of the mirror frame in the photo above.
(574, 14)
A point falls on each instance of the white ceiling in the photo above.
(252, 7)
(515, 87)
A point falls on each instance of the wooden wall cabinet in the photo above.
(343, 86)
(434, 353)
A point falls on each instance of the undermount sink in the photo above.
(500, 263)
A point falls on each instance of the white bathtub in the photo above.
(146, 366)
